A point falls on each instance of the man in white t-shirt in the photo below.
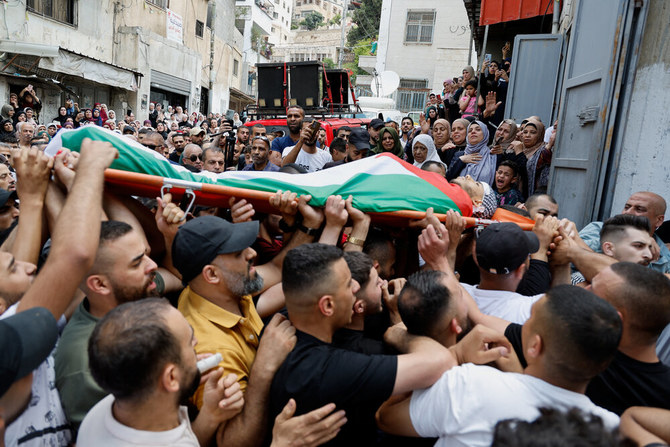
(571, 336)
(305, 153)
(143, 354)
(503, 255)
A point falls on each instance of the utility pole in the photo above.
(344, 25)
(212, 73)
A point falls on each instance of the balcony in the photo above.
(367, 63)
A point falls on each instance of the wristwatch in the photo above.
(286, 228)
(307, 231)
(356, 241)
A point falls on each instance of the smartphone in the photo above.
(487, 57)
(315, 126)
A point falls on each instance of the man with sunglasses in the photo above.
(155, 142)
(260, 154)
(192, 157)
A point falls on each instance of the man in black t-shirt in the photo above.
(320, 295)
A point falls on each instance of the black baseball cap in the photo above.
(376, 124)
(360, 138)
(26, 340)
(503, 247)
(6, 195)
(202, 239)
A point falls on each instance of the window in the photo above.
(236, 67)
(275, 15)
(164, 4)
(61, 10)
(420, 26)
(272, 29)
(199, 28)
(412, 94)
(210, 5)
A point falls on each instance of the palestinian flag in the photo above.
(380, 184)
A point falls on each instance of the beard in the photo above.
(127, 293)
(242, 285)
(295, 128)
(466, 325)
(189, 387)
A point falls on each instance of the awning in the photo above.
(497, 11)
(53, 62)
(241, 96)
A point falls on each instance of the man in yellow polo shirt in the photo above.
(215, 260)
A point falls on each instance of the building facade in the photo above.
(123, 54)
(425, 42)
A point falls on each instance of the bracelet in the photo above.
(356, 241)
(306, 230)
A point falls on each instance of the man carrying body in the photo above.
(643, 203)
(541, 204)
(305, 153)
(260, 153)
(320, 294)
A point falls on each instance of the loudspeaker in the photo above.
(270, 86)
(339, 85)
(305, 84)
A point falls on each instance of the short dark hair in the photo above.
(258, 126)
(111, 230)
(407, 118)
(359, 264)
(470, 83)
(336, 131)
(615, 227)
(144, 131)
(515, 210)
(430, 163)
(293, 168)
(128, 130)
(510, 164)
(422, 302)
(296, 106)
(555, 428)
(306, 272)
(582, 332)
(530, 201)
(339, 145)
(130, 346)
(377, 244)
(645, 295)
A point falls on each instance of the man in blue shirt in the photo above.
(260, 153)
(294, 116)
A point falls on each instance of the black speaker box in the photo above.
(270, 85)
(305, 84)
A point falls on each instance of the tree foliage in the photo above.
(312, 21)
(366, 18)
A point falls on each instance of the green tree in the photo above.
(312, 21)
(328, 62)
(335, 20)
(366, 18)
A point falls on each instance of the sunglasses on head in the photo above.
(262, 137)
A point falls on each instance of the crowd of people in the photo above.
(331, 328)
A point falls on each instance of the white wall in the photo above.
(444, 58)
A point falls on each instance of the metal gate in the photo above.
(533, 81)
(589, 95)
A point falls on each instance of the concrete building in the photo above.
(281, 23)
(123, 54)
(329, 9)
(307, 45)
(425, 42)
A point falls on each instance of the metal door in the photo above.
(588, 100)
(534, 75)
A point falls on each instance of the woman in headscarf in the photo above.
(62, 115)
(441, 137)
(19, 117)
(389, 142)
(6, 127)
(459, 133)
(97, 119)
(424, 150)
(111, 115)
(483, 167)
(538, 156)
(7, 112)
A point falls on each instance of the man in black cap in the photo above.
(502, 253)
(373, 129)
(358, 147)
(215, 260)
(27, 340)
(8, 211)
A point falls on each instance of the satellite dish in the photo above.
(385, 83)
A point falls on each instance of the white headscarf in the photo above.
(427, 141)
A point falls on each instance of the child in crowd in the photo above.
(505, 184)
